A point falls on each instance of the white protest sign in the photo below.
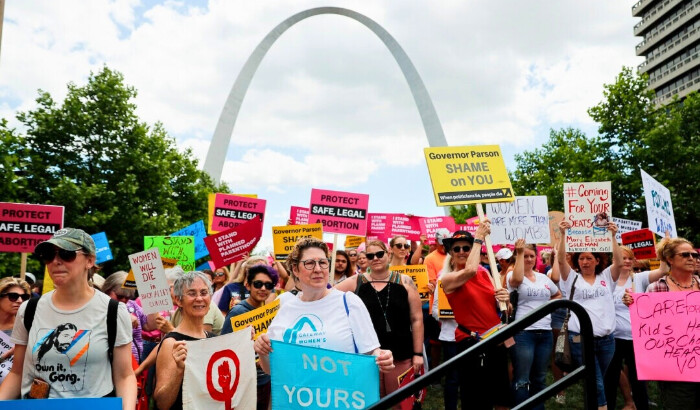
(220, 373)
(6, 365)
(588, 206)
(624, 226)
(150, 281)
(659, 206)
(525, 218)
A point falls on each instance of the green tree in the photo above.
(111, 171)
(461, 213)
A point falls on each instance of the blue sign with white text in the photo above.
(199, 232)
(103, 253)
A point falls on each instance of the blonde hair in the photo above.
(379, 244)
(628, 251)
(666, 248)
(6, 283)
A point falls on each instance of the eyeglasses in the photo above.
(219, 274)
(693, 255)
(379, 255)
(257, 284)
(352, 255)
(48, 254)
(465, 249)
(311, 263)
(402, 245)
(193, 293)
(14, 296)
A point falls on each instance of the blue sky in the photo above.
(328, 107)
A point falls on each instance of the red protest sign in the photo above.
(23, 226)
(339, 212)
(400, 224)
(642, 243)
(429, 226)
(233, 210)
(232, 245)
(299, 215)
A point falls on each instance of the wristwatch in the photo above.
(479, 241)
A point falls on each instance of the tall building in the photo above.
(670, 31)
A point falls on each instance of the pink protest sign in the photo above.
(232, 210)
(665, 332)
(378, 226)
(23, 226)
(540, 265)
(400, 224)
(299, 215)
(232, 245)
(429, 226)
(339, 212)
(469, 225)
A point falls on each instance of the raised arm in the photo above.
(617, 253)
(418, 254)
(452, 281)
(564, 267)
(519, 268)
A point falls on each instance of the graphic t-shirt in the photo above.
(597, 299)
(532, 295)
(324, 323)
(68, 349)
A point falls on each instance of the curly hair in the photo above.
(303, 244)
(666, 248)
(6, 283)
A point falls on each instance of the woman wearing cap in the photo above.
(470, 291)
(67, 346)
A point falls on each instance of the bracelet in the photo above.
(418, 354)
(479, 241)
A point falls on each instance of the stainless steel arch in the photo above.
(216, 155)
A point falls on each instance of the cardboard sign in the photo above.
(419, 274)
(102, 251)
(233, 210)
(233, 245)
(378, 226)
(642, 243)
(468, 175)
(429, 226)
(659, 206)
(130, 281)
(197, 231)
(259, 319)
(108, 403)
(6, 365)
(525, 218)
(299, 215)
(180, 248)
(285, 237)
(220, 373)
(339, 212)
(444, 308)
(311, 378)
(24, 226)
(153, 287)
(400, 224)
(353, 241)
(554, 218)
(588, 206)
(664, 333)
(625, 225)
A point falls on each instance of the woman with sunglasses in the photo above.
(352, 255)
(64, 359)
(395, 308)
(13, 292)
(399, 250)
(342, 267)
(339, 321)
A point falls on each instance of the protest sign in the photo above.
(259, 319)
(180, 248)
(444, 308)
(625, 225)
(312, 378)
(130, 281)
(154, 289)
(470, 225)
(102, 251)
(404, 379)
(419, 274)
(299, 215)
(105, 403)
(232, 210)
(6, 365)
(588, 207)
(659, 206)
(664, 333)
(642, 243)
(353, 241)
(525, 218)
(468, 175)
(197, 231)
(378, 226)
(220, 373)
(23, 226)
(211, 198)
(339, 212)
(554, 218)
(233, 245)
(429, 226)
(400, 224)
(284, 237)
(540, 265)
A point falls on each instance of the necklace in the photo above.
(382, 307)
(692, 282)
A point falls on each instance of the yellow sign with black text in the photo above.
(419, 274)
(284, 237)
(353, 241)
(259, 318)
(444, 308)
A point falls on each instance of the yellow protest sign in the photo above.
(419, 274)
(654, 264)
(468, 175)
(210, 209)
(48, 282)
(284, 237)
(353, 241)
(444, 308)
(130, 281)
(259, 318)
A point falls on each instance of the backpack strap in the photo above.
(29, 313)
(112, 310)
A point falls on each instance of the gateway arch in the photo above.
(214, 163)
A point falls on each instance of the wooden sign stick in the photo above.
(23, 265)
(495, 275)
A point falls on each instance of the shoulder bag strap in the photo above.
(347, 313)
(29, 313)
(112, 311)
(571, 297)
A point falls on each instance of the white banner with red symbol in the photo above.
(220, 373)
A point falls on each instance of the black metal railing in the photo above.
(585, 371)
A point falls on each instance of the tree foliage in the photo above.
(111, 171)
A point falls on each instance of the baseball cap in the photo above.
(441, 234)
(70, 239)
(504, 253)
(28, 276)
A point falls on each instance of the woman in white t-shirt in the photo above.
(533, 345)
(319, 316)
(594, 291)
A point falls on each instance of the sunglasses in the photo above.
(402, 245)
(257, 284)
(465, 249)
(219, 274)
(352, 255)
(14, 296)
(693, 255)
(379, 255)
(47, 254)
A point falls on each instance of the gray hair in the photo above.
(114, 283)
(172, 274)
(185, 281)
